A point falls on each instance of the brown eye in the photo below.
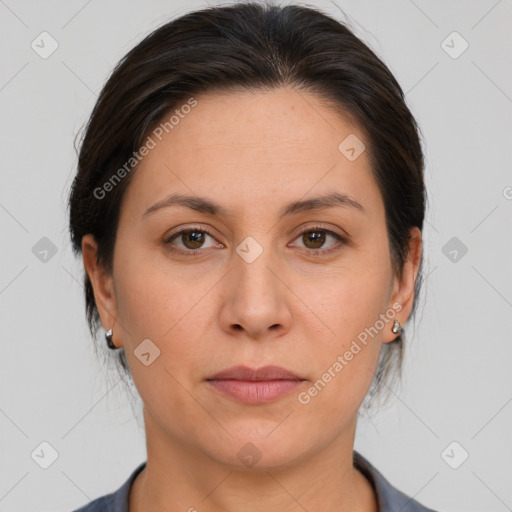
(191, 240)
(315, 238)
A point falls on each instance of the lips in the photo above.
(255, 386)
(248, 374)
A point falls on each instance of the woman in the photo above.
(249, 206)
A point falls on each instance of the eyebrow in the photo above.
(204, 205)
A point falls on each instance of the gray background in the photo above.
(457, 383)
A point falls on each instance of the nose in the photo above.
(256, 297)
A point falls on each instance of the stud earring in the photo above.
(108, 337)
(397, 328)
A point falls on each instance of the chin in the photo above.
(259, 450)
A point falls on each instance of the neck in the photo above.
(178, 477)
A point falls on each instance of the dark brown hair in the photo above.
(248, 46)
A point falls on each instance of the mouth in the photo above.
(255, 386)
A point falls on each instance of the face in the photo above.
(256, 283)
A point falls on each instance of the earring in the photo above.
(397, 328)
(108, 337)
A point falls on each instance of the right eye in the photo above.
(192, 240)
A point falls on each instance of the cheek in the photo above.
(345, 361)
(350, 299)
(159, 302)
(164, 308)
(350, 305)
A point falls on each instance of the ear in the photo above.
(102, 284)
(402, 297)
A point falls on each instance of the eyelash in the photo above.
(310, 229)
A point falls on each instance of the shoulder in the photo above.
(116, 501)
(389, 497)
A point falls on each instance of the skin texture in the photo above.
(253, 153)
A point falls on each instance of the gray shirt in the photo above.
(389, 498)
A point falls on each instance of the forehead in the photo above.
(280, 124)
(279, 143)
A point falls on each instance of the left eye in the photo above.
(315, 238)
